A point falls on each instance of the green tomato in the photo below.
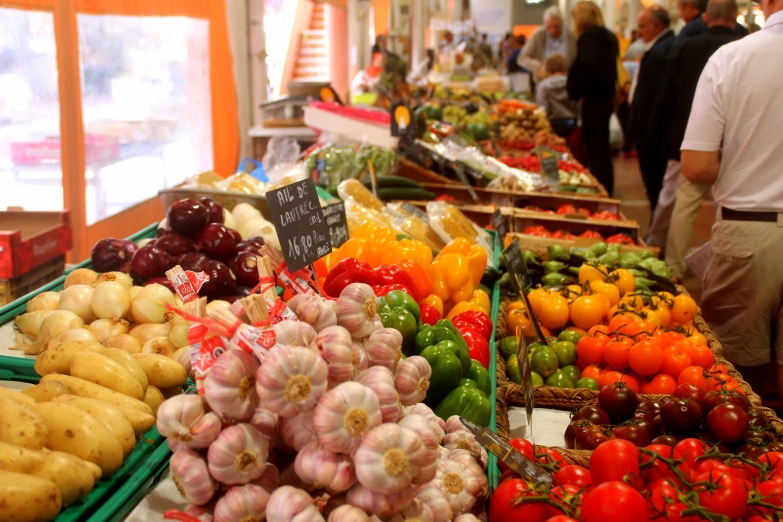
(572, 372)
(587, 382)
(572, 336)
(559, 380)
(508, 346)
(536, 379)
(566, 353)
(544, 362)
(534, 347)
(512, 369)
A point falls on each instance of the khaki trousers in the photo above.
(659, 229)
(686, 208)
(741, 300)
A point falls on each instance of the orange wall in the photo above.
(527, 30)
(304, 9)
(381, 10)
(336, 19)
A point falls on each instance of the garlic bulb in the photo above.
(122, 341)
(44, 301)
(110, 300)
(183, 420)
(412, 379)
(55, 325)
(81, 276)
(380, 504)
(344, 414)
(324, 469)
(288, 477)
(461, 482)
(348, 513)
(105, 328)
(30, 323)
(178, 333)
(384, 347)
(149, 306)
(77, 299)
(467, 517)
(266, 422)
(417, 511)
(190, 475)
(295, 333)
(313, 310)
(242, 504)
(288, 504)
(230, 386)
(145, 332)
(200, 513)
(238, 455)
(159, 345)
(423, 429)
(291, 380)
(269, 479)
(390, 457)
(426, 412)
(117, 277)
(356, 310)
(182, 356)
(464, 440)
(381, 381)
(453, 424)
(361, 361)
(297, 431)
(431, 495)
(334, 343)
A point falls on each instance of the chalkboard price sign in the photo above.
(300, 223)
(337, 223)
(500, 225)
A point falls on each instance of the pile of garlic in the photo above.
(327, 428)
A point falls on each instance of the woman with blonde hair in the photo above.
(591, 81)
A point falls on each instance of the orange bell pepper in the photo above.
(475, 255)
(463, 306)
(433, 301)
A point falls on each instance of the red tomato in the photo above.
(563, 496)
(562, 518)
(550, 456)
(664, 500)
(612, 502)
(613, 460)
(658, 470)
(726, 496)
(690, 450)
(590, 348)
(566, 209)
(525, 447)
(771, 491)
(505, 504)
(573, 475)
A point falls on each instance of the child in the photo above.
(551, 95)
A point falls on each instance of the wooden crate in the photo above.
(12, 289)
(541, 243)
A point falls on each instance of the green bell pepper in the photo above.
(467, 382)
(446, 370)
(400, 299)
(467, 402)
(480, 376)
(403, 321)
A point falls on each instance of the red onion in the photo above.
(150, 261)
(175, 244)
(214, 209)
(187, 217)
(112, 255)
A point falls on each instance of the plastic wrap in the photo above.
(331, 164)
(357, 215)
(450, 223)
(281, 162)
(353, 190)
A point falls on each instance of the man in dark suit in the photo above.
(658, 38)
(691, 12)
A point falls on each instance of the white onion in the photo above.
(124, 342)
(243, 213)
(159, 345)
(179, 331)
(111, 300)
(77, 334)
(134, 291)
(145, 332)
(105, 328)
(81, 276)
(149, 306)
(117, 277)
(58, 323)
(30, 323)
(216, 304)
(228, 219)
(77, 298)
(247, 227)
(145, 241)
(44, 301)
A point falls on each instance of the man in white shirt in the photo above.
(733, 141)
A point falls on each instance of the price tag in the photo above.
(548, 160)
(411, 209)
(527, 380)
(300, 223)
(401, 119)
(460, 170)
(517, 267)
(500, 225)
(337, 223)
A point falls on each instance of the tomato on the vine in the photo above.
(524, 446)
(613, 502)
(614, 460)
(505, 503)
(689, 449)
(692, 375)
(769, 492)
(724, 493)
(664, 500)
(590, 348)
(550, 456)
(645, 358)
(658, 470)
(573, 475)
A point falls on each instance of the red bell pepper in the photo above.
(429, 314)
(395, 275)
(348, 271)
(477, 345)
(422, 285)
(478, 319)
(382, 290)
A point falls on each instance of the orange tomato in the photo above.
(623, 279)
(608, 378)
(631, 302)
(684, 309)
(529, 333)
(592, 371)
(591, 348)
(592, 272)
(731, 384)
(554, 311)
(605, 304)
(693, 375)
(675, 360)
(573, 290)
(660, 384)
(700, 355)
(631, 382)
(515, 305)
(537, 298)
(586, 312)
(669, 338)
(616, 353)
(645, 358)
(698, 337)
(517, 319)
(597, 328)
(619, 321)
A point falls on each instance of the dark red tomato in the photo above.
(717, 397)
(757, 418)
(618, 400)
(634, 433)
(771, 492)
(525, 447)
(689, 391)
(574, 428)
(665, 501)
(505, 504)
(614, 460)
(690, 450)
(592, 413)
(649, 407)
(668, 440)
(725, 494)
(550, 456)
(681, 416)
(573, 475)
(612, 502)
(659, 470)
(728, 423)
(591, 437)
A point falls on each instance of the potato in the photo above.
(141, 421)
(77, 432)
(70, 474)
(46, 391)
(153, 398)
(162, 372)
(130, 364)
(58, 359)
(16, 396)
(82, 388)
(20, 426)
(95, 471)
(25, 498)
(109, 415)
(106, 372)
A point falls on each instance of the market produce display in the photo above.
(567, 209)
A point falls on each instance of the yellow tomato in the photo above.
(651, 317)
(574, 290)
(611, 292)
(587, 311)
(537, 298)
(666, 298)
(592, 272)
(665, 315)
(698, 338)
(515, 305)
(631, 302)
(623, 279)
(554, 311)
(684, 309)
(605, 304)
(516, 319)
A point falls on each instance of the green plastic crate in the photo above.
(494, 475)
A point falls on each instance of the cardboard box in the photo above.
(28, 239)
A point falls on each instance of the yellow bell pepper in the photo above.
(417, 251)
(434, 301)
(481, 299)
(475, 255)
